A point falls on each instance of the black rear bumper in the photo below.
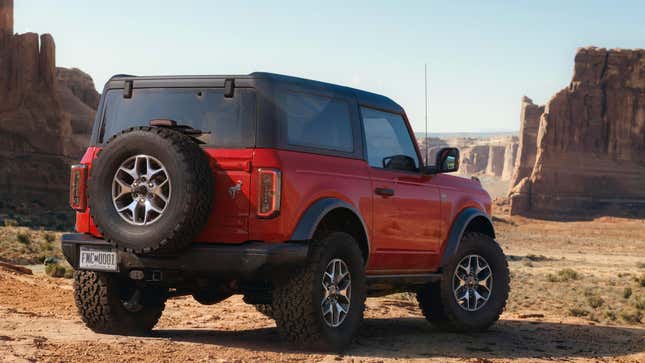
(222, 260)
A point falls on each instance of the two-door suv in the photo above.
(305, 197)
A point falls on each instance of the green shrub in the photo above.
(564, 275)
(639, 302)
(69, 273)
(10, 222)
(631, 316)
(55, 270)
(641, 280)
(50, 237)
(610, 315)
(577, 311)
(595, 301)
(627, 292)
(24, 238)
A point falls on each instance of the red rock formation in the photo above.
(80, 84)
(495, 165)
(474, 159)
(591, 140)
(44, 126)
(529, 123)
(510, 155)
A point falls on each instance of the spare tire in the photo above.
(150, 190)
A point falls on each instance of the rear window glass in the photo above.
(317, 121)
(230, 121)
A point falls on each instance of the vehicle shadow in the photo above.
(415, 338)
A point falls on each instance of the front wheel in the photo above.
(110, 304)
(473, 290)
(322, 304)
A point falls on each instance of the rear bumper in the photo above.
(222, 260)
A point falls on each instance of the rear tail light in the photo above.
(77, 181)
(270, 186)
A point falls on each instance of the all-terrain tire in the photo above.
(265, 309)
(297, 299)
(438, 302)
(98, 298)
(190, 202)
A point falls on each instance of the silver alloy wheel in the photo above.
(472, 282)
(337, 288)
(141, 190)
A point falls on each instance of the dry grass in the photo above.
(25, 246)
(591, 270)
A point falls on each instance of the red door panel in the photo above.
(407, 224)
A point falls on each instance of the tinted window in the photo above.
(317, 121)
(230, 121)
(387, 135)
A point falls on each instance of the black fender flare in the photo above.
(463, 220)
(310, 219)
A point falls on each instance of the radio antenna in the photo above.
(427, 139)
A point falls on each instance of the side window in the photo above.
(317, 121)
(388, 141)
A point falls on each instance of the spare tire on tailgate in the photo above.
(150, 189)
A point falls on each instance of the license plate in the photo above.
(97, 258)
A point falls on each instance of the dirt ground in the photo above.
(578, 294)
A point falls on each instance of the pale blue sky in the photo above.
(482, 56)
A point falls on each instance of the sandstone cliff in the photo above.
(590, 145)
(527, 149)
(45, 117)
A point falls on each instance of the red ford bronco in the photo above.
(305, 197)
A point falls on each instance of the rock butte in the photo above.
(587, 155)
(45, 116)
(492, 156)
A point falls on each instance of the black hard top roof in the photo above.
(363, 97)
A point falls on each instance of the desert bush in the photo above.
(627, 292)
(631, 316)
(566, 274)
(641, 280)
(578, 311)
(10, 222)
(610, 315)
(55, 270)
(69, 273)
(639, 302)
(640, 264)
(595, 301)
(24, 238)
(50, 237)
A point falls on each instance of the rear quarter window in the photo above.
(229, 121)
(318, 122)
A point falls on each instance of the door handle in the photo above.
(386, 192)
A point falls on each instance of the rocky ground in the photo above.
(578, 294)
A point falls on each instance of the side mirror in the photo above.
(399, 162)
(447, 160)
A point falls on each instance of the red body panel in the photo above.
(407, 231)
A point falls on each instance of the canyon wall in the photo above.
(45, 117)
(590, 143)
(491, 157)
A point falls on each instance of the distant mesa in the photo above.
(45, 116)
(584, 151)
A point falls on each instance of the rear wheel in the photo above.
(322, 304)
(110, 304)
(473, 290)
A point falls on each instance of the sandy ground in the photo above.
(543, 321)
